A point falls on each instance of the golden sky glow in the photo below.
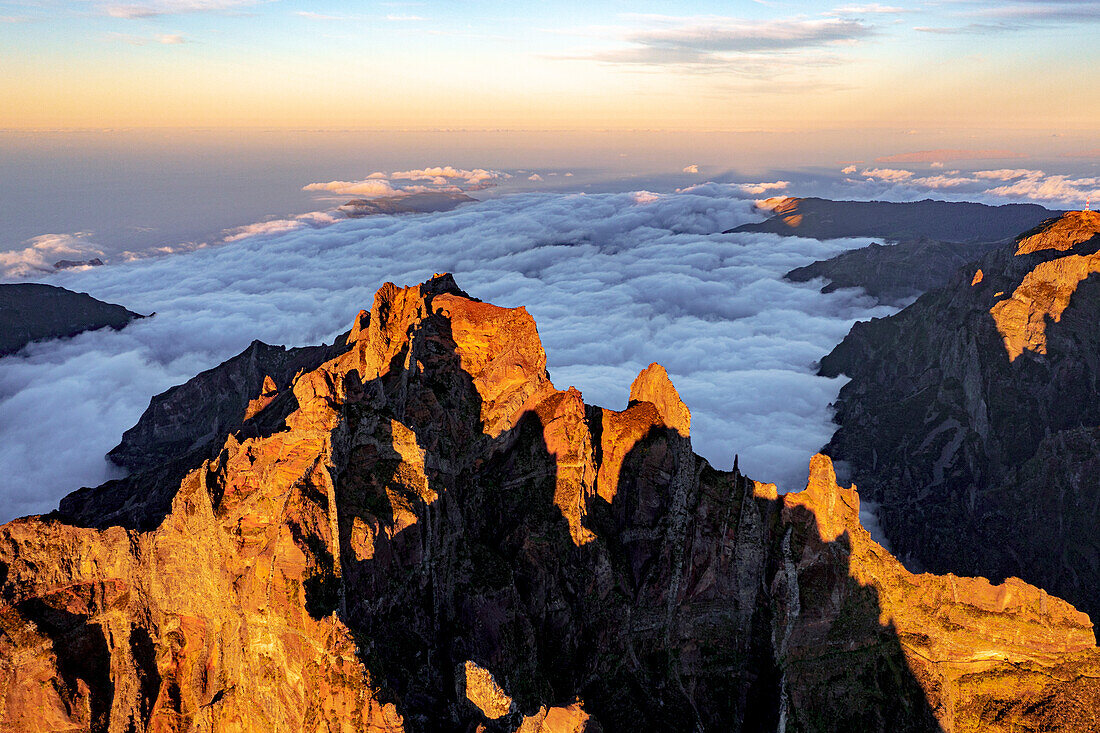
(561, 66)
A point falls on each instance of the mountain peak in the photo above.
(1060, 233)
(653, 385)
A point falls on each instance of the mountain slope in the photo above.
(35, 312)
(972, 415)
(893, 273)
(432, 536)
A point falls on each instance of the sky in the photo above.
(774, 65)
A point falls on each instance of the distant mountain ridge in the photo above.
(927, 241)
(946, 221)
(36, 312)
(893, 273)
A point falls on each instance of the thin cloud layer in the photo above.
(930, 156)
(1020, 184)
(887, 174)
(43, 251)
(154, 8)
(756, 48)
(615, 281)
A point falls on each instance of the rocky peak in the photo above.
(836, 509)
(653, 385)
(1060, 233)
(434, 538)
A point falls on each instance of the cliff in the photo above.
(972, 415)
(426, 534)
(36, 312)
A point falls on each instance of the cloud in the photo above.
(279, 226)
(167, 39)
(936, 164)
(887, 174)
(1020, 185)
(848, 170)
(477, 175)
(439, 178)
(155, 8)
(963, 30)
(404, 18)
(932, 156)
(943, 181)
(869, 9)
(613, 283)
(693, 168)
(750, 189)
(1061, 189)
(367, 187)
(44, 251)
(1027, 13)
(310, 15)
(1007, 174)
(747, 47)
(534, 177)
(722, 35)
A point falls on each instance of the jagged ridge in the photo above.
(436, 538)
(972, 415)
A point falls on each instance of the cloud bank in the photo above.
(1019, 184)
(615, 281)
(439, 178)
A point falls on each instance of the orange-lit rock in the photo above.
(484, 692)
(1060, 234)
(1044, 294)
(974, 647)
(977, 277)
(653, 385)
(433, 500)
(571, 719)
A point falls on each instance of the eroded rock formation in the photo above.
(972, 415)
(432, 536)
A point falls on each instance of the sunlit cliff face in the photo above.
(429, 510)
(1046, 291)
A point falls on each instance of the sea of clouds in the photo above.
(615, 281)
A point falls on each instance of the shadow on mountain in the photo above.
(83, 659)
(687, 603)
(187, 425)
(580, 555)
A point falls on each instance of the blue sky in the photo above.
(550, 65)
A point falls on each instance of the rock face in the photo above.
(943, 221)
(973, 415)
(432, 536)
(35, 312)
